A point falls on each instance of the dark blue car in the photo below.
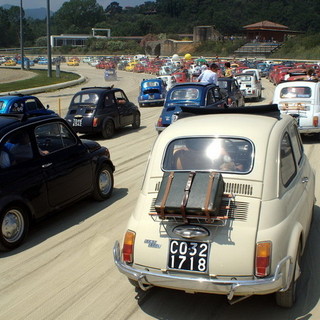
(190, 94)
(24, 104)
(152, 92)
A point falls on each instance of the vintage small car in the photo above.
(102, 110)
(152, 92)
(225, 207)
(250, 86)
(194, 94)
(301, 99)
(110, 74)
(23, 104)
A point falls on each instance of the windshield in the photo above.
(295, 92)
(207, 154)
(185, 94)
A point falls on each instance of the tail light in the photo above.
(95, 122)
(263, 259)
(128, 245)
(315, 121)
(159, 123)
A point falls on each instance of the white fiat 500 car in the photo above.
(300, 99)
(225, 207)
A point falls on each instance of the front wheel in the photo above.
(103, 184)
(136, 121)
(14, 227)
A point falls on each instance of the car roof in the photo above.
(304, 83)
(194, 84)
(15, 97)
(9, 122)
(98, 89)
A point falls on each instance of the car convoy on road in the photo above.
(228, 194)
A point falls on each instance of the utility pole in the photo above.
(21, 36)
(48, 40)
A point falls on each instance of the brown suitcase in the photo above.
(192, 192)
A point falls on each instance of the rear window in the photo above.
(151, 84)
(295, 92)
(86, 98)
(223, 84)
(244, 78)
(208, 153)
(185, 94)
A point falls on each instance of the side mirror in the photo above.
(48, 106)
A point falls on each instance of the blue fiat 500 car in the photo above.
(189, 94)
(152, 92)
(29, 105)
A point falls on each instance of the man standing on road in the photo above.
(209, 75)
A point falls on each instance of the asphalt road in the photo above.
(65, 269)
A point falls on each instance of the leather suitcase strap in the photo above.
(166, 194)
(186, 194)
(208, 195)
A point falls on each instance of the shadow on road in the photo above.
(62, 220)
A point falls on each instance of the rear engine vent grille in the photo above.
(238, 188)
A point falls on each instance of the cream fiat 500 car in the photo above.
(225, 207)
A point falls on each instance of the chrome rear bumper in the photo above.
(204, 283)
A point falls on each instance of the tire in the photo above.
(108, 130)
(103, 184)
(287, 298)
(14, 223)
(136, 121)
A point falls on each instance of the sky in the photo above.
(56, 4)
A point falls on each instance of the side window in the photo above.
(288, 168)
(15, 148)
(53, 137)
(120, 97)
(108, 100)
(296, 143)
(32, 105)
(210, 97)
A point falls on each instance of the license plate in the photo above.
(188, 255)
(77, 122)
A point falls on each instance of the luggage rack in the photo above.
(226, 212)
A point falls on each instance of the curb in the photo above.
(56, 86)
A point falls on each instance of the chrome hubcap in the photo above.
(12, 226)
(105, 182)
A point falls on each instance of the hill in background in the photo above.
(38, 13)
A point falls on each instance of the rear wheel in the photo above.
(286, 299)
(136, 121)
(103, 184)
(14, 227)
(108, 130)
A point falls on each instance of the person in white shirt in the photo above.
(209, 75)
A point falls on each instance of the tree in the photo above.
(113, 8)
(78, 16)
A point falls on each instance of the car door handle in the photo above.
(305, 180)
(47, 165)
